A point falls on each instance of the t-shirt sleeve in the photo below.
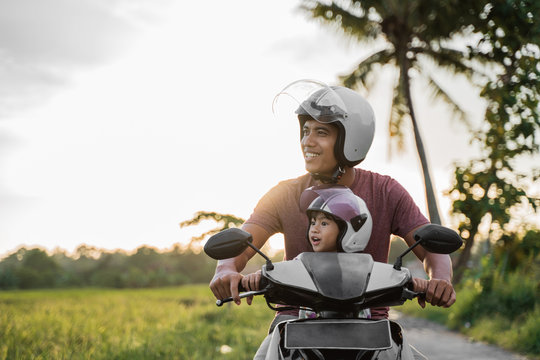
(266, 213)
(407, 216)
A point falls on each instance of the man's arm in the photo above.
(440, 291)
(227, 277)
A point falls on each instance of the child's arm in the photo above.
(250, 282)
(421, 286)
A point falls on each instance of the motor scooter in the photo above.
(338, 288)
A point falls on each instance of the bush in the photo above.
(496, 308)
(526, 336)
(510, 298)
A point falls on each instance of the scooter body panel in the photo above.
(397, 348)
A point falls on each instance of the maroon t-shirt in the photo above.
(392, 209)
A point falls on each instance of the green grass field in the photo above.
(166, 323)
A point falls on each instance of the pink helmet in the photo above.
(350, 211)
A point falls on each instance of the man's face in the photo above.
(318, 142)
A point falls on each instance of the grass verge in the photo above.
(504, 312)
(166, 323)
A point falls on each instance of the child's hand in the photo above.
(421, 286)
(250, 282)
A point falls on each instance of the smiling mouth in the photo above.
(310, 155)
(315, 240)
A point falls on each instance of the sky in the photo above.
(119, 119)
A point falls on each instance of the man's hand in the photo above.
(225, 284)
(227, 277)
(438, 292)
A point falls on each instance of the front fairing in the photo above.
(335, 281)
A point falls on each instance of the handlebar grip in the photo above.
(229, 299)
(221, 302)
(243, 295)
(410, 294)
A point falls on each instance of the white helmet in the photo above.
(352, 215)
(345, 108)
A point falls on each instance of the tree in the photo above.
(8, 269)
(490, 188)
(415, 33)
(501, 58)
(37, 270)
(147, 267)
(224, 221)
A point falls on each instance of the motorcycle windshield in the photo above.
(310, 98)
(339, 276)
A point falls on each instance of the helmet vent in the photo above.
(358, 221)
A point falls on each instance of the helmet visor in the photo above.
(310, 98)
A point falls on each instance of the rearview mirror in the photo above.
(435, 239)
(438, 239)
(227, 243)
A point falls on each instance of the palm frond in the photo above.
(360, 76)
(440, 93)
(353, 21)
(449, 59)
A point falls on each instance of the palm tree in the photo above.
(415, 34)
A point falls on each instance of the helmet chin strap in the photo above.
(336, 175)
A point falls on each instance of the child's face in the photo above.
(323, 233)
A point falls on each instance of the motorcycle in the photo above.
(339, 288)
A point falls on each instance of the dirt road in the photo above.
(438, 343)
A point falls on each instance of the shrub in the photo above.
(494, 307)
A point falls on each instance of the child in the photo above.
(339, 221)
(323, 232)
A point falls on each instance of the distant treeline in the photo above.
(147, 267)
(89, 266)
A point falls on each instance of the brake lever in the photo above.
(410, 294)
(243, 295)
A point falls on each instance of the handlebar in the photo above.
(406, 295)
(410, 294)
(243, 295)
(220, 302)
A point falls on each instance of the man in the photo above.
(337, 127)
